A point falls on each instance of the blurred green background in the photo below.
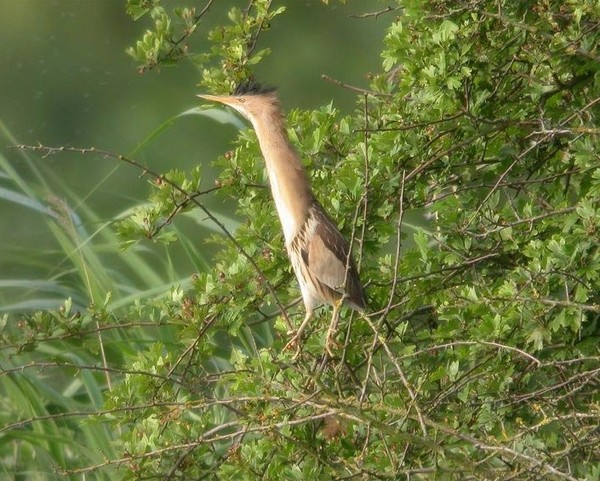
(66, 80)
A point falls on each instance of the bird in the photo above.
(319, 254)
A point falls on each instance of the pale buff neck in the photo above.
(289, 183)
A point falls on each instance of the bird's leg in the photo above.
(295, 341)
(332, 331)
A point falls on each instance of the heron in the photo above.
(320, 256)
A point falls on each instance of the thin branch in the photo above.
(414, 404)
(84, 367)
(363, 205)
(339, 83)
(502, 176)
(145, 171)
(375, 14)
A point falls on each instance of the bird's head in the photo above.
(250, 99)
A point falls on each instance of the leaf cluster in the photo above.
(233, 49)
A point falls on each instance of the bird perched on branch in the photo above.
(319, 254)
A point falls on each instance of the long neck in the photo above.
(289, 184)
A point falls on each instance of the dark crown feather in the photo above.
(251, 87)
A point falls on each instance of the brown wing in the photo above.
(326, 260)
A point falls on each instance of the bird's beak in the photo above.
(222, 99)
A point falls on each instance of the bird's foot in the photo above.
(296, 340)
(294, 343)
(330, 341)
(331, 344)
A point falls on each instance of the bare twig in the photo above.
(375, 14)
(339, 83)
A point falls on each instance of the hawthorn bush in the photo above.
(469, 180)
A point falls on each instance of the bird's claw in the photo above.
(294, 342)
(331, 344)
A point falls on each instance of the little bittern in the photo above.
(319, 255)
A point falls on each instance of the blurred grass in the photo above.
(27, 448)
(85, 261)
(51, 388)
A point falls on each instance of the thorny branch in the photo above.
(188, 197)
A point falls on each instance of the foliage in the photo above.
(478, 358)
(233, 48)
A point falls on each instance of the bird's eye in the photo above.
(241, 100)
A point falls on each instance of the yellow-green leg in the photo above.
(295, 341)
(332, 331)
